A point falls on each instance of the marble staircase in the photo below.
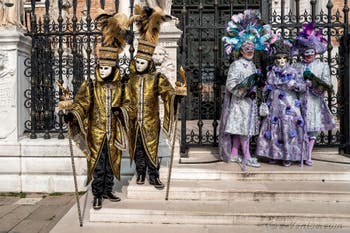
(218, 193)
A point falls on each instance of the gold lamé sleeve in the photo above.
(81, 106)
(167, 93)
(81, 103)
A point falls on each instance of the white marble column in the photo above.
(124, 7)
(28, 165)
(14, 49)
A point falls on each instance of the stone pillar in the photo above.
(124, 6)
(166, 54)
(14, 49)
(28, 165)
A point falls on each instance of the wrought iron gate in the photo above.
(201, 54)
(62, 51)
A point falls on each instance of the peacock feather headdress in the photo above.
(242, 28)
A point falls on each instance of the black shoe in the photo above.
(140, 179)
(156, 183)
(110, 196)
(97, 204)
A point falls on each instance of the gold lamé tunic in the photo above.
(146, 89)
(95, 124)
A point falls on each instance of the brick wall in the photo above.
(95, 4)
(338, 5)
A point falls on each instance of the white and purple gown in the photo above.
(239, 113)
(319, 117)
(283, 134)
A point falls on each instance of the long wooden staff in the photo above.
(75, 177)
(180, 89)
(65, 104)
(172, 154)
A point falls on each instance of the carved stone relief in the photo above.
(11, 12)
(164, 64)
(7, 96)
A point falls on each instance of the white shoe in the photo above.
(253, 162)
(236, 159)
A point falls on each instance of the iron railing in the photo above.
(201, 54)
(63, 50)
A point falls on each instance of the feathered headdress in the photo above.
(114, 28)
(148, 21)
(281, 46)
(268, 37)
(243, 28)
(308, 38)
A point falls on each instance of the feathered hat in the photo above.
(148, 21)
(308, 38)
(114, 28)
(282, 46)
(241, 29)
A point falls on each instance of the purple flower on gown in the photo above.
(274, 120)
(300, 122)
(292, 133)
(279, 143)
(288, 110)
(267, 135)
(285, 78)
(282, 94)
(297, 103)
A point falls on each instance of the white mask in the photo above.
(309, 55)
(105, 71)
(281, 60)
(141, 64)
(309, 52)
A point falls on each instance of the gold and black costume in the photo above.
(95, 124)
(145, 127)
(147, 86)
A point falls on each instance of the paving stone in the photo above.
(29, 226)
(28, 201)
(13, 218)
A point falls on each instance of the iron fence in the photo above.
(63, 50)
(201, 54)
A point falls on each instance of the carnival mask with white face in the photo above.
(309, 55)
(105, 71)
(247, 50)
(141, 64)
(281, 60)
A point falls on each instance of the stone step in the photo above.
(211, 154)
(224, 213)
(201, 190)
(69, 223)
(320, 171)
(106, 227)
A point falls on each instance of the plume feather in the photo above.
(114, 28)
(148, 21)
